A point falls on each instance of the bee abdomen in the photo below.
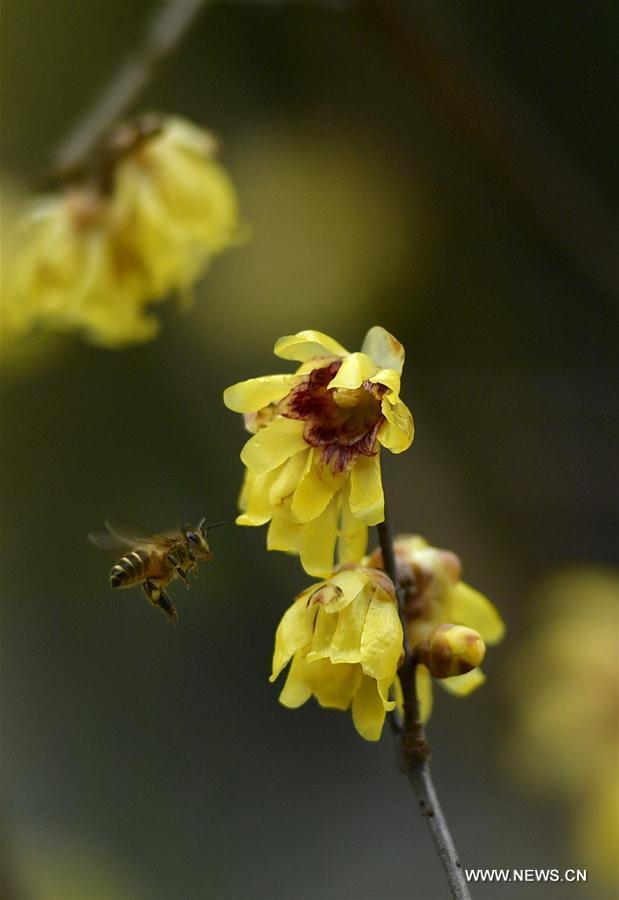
(129, 570)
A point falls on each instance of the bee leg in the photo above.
(174, 560)
(158, 597)
(168, 607)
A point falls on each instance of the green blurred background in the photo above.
(445, 170)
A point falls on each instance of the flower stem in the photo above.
(413, 749)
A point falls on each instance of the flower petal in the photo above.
(391, 379)
(273, 445)
(296, 690)
(423, 687)
(461, 685)
(346, 639)
(353, 535)
(294, 633)
(307, 345)
(317, 542)
(351, 582)
(381, 644)
(316, 488)
(384, 348)
(355, 369)
(256, 393)
(284, 533)
(397, 433)
(333, 686)
(368, 712)
(257, 509)
(324, 627)
(367, 502)
(288, 478)
(466, 606)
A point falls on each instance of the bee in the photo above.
(154, 560)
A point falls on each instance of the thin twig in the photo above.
(163, 33)
(414, 751)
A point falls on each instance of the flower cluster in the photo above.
(143, 222)
(313, 473)
(344, 638)
(313, 462)
(448, 622)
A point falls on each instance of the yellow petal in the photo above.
(336, 593)
(384, 348)
(307, 345)
(381, 644)
(284, 533)
(256, 393)
(466, 606)
(397, 433)
(391, 379)
(316, 488)
(353, 535)
(296, 690)
(317, 542)
(355, 369)
(273, 445)
(294, 632)
(346, 639)
(398, 696)
(257, 508)
(367, 502)
(385, 688)
(324, 627)
(368, 712)
(351, 582)
(333, 686)
(423, 687)
(288, 478)
(461, 685)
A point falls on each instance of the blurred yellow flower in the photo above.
(565, 739)
(313, 463)
(153, 210)
(434, 596)
(344, 638)
(174, 205)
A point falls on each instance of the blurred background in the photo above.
(445, 170)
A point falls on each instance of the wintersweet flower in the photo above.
(143, 220)
(173, 203)
(69, 274)
(344, 638)
(434, 596)
(313, 462)
(564, 682)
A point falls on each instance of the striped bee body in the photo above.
(137, 566)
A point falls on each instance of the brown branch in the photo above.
(413, 749)
(171, 22)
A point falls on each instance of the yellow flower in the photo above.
(434, 596)
(150, 212)
(564, 681)
(69, 273)
(344, 638)
(174, 204)
(313, 463)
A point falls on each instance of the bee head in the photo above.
(197, 542)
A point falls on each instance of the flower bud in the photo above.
(451, 650)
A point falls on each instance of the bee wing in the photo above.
(106, 541)
(130, 533)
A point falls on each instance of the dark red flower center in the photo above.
(342, 422)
